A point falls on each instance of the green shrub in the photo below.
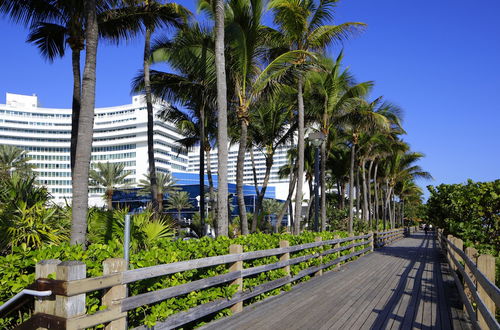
(17, 269)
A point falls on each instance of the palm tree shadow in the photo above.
(426, 287)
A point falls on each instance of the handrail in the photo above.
(23, 292)
(117, 303)
(473, 281)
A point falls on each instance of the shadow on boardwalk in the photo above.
(402, 286)
(425, 296)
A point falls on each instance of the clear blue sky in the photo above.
(438, 60)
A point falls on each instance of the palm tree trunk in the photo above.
(256, 186)
(342, 194)
(211, 190)
(109, 199)
(160, 202)
(339, 193)
(222, 208)
(323, 186)
(262, 193)
(75, 106)
(291, 188)
(358, 192)
(202, 169)
(375, 190)
(239, 176)
(351, 186)
(85, 130)
(365, 192)
(370, 205)
(300, 157)
(149, 106)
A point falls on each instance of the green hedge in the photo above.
(17, 270)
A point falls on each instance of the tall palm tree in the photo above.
(110, 176)
(58, 25)
(269, 128)
(85, 129)
(222, 139)
(166, 185)
(400, 166)
(14, 160)
(334, 88)
(154, 14)
(178, 200)
(191, 54)
(302, 25)
(364, 117)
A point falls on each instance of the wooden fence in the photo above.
(65, 309)
(387, 237)
(474, 276)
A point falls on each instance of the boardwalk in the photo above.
(402, 286)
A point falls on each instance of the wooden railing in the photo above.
(387, 237)
(474, 276)
(66, 308)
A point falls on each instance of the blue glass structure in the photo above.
(189, 182)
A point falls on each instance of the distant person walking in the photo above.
(426, 229)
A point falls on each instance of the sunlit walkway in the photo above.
(402, 286)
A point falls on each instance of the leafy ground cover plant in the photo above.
(17, 270)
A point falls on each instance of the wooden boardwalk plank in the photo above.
(396, 287)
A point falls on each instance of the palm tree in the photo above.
(178, 200)
(334, 89)
(363, 118)
(14, 160)
(400, 166)
(85, 128)
(222, 139)
(57, 25)
(269, 128)
(110, 176)
(153, 14)
(166, 185)
(191, 54)
(302, 26)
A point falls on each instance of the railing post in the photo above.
(375, 238)
(351, 250)
(46, 305)
(237, 266)
(372, 240)
(285, 256)
(70, 306)
(449, 251)
(337, 246)
(486, 265)
(320, 258)
(472, 254)
(112, 295)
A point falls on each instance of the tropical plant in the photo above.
(147, 228)
(269, 129)
(153, 14)
(332, 89)
(191, 54)
(178, 200)
(14, 160)
(27, 216)
(33, 226)
(110, 176)
(85, 128)
(166, 185)
(302, 25)
(222, 138)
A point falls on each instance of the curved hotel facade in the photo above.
(119, 137)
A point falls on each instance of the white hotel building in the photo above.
(119, 137)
